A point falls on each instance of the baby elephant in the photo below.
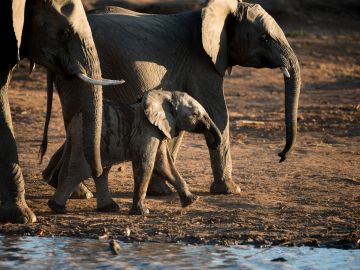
(137, 133)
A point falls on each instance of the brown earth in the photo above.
(312, 199)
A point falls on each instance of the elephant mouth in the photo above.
(268, 64)
(265, 62)
(259, 61)
(200, 128)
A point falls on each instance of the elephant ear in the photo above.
(159, 110)
(18, 13)
(12, 14)
(213, 29)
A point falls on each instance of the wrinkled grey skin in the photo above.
(55, 34)
(137, 133)
(191, 51)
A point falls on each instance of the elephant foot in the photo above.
(158, 187)
(57, 208)
(227, 187)
(109, 208)
(139, 211)
(81, 192)
(16, 213)
(189, 200)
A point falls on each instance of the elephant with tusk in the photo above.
(192, 51)
(139, 133)
(57, 35)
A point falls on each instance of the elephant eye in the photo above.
(265, 37)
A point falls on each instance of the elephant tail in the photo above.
(50, 91)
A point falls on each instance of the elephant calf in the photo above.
(137, 133)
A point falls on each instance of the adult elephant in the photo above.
(191, 51)
(56, 34)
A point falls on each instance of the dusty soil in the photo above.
(312, 199)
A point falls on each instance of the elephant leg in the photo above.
(58, 200)
(103, 199)
(142, 175)
(73, 171)
(165, 167)
(222, 167)
(143, 169)
(81, 192)
(13, 207)
(51, 172)
(69, 103)
(158, 186)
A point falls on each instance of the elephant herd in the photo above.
(187, 52)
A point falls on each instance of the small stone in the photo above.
(249, 240)
(40, 232)
(115, 247)
(280, 259)
(105, 236)
(127, 232)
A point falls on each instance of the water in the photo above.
(71, 253)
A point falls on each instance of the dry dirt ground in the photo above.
(313, 198)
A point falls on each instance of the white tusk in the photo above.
(229, 70)
(85, 78)
(285, 72)
(31, 67)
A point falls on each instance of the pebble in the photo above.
(105, 235)
(115, 247)
(127, 232)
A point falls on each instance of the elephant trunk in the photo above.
(91, 108)
(292, 81)
(215, 132)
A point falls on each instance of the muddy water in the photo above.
(69, 253)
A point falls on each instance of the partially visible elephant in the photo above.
(137, 132)
(154, 7)
(192, 51)
(56, 34)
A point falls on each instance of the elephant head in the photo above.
(237, 33)
(174, 111)
(57, 35)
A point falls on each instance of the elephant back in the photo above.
(143, 49)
